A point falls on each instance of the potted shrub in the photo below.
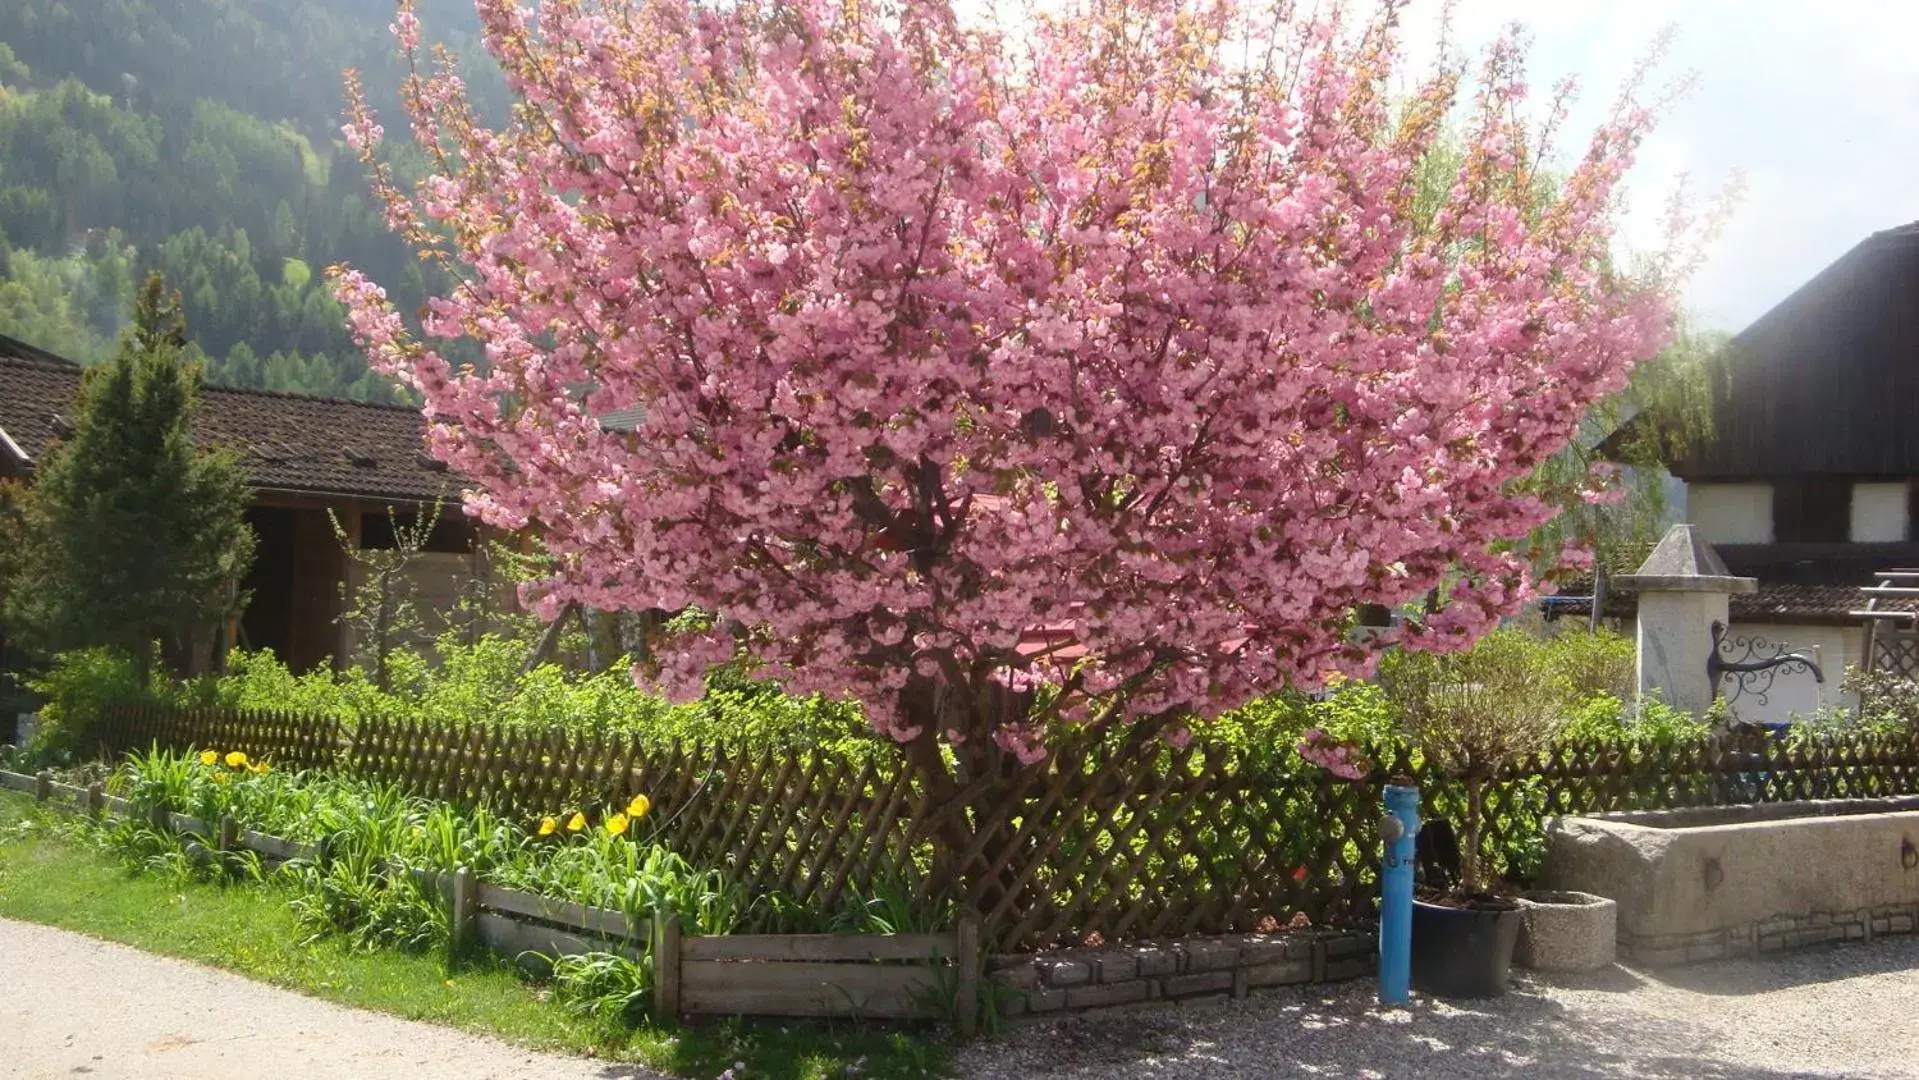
(1470, 714)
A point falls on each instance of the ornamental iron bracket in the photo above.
(1752, 662)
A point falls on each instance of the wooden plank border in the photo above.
(871, 976)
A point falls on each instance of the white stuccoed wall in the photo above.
(1794, 693)
(1731, 513)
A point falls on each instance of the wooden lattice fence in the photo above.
(1110, 841)
(295, 740)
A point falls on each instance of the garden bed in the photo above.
(849, 976)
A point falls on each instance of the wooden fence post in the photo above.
(666, 967)
(465, 901)
(966, 955)
(42, 786)
(229, 832)
(96, 798)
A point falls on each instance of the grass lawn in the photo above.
(50, 873)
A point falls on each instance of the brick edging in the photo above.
(1191, 968)
(1772, 935)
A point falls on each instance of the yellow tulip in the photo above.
(639, 806)
(576, 822)
(209, 757)
(616, 825)
(259, 767)
(236, 759)
(548, 826)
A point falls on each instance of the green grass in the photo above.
(51, 872)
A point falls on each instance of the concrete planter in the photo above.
(1566, 931)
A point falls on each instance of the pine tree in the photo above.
(133, 538)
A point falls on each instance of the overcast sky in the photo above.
(1818, 104)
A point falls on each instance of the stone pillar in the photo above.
(1683, 587)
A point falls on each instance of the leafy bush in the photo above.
(1888, 702)
(483, 683)
(78, 688)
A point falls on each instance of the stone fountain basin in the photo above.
(1734, 880)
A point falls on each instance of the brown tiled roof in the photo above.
(287, 442)
(1775, 602)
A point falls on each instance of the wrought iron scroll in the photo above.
(1752, 662)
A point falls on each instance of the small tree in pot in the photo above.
(1470, 714)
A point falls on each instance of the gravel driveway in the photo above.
(71, 1006)
(1837, 1011)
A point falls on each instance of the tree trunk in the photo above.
(968, 790)
(1471, 862)
(380, 620)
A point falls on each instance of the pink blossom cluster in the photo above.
(1109, 325)
(1337, 756)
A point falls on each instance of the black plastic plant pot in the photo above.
(1464, 951)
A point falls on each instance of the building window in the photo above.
(1731, 513)
(1879, 513)
(1811, 510)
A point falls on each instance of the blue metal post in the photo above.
(1396, 896)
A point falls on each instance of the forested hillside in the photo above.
(200, 138)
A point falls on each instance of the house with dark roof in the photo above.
(311, 461)
(1809, 481)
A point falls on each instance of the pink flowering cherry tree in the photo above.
(1081, 373)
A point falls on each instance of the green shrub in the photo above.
(78, 688)
(482, 683)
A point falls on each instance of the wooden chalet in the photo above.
(1810, 479)
(307, 458)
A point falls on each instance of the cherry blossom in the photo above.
(1085, 372)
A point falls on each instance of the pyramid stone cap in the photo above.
(1684, 563)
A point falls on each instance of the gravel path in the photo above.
(1840, 1011)
(74, 1006)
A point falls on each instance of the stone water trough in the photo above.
(1736, 880)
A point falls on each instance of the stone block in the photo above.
(1696, 953)
(1024, 977)
(1899, 924)
(1855, 932)
(1209, 956)
(1350, 945)
(1154, 961)
(1882, 925)
(1107, 994)
(1811, 935)
(1778, 924)
(1257, 949)
(1280, 973)
(1199, 982)
(1351, 967)
(1063, 973)
(1040, 1001)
